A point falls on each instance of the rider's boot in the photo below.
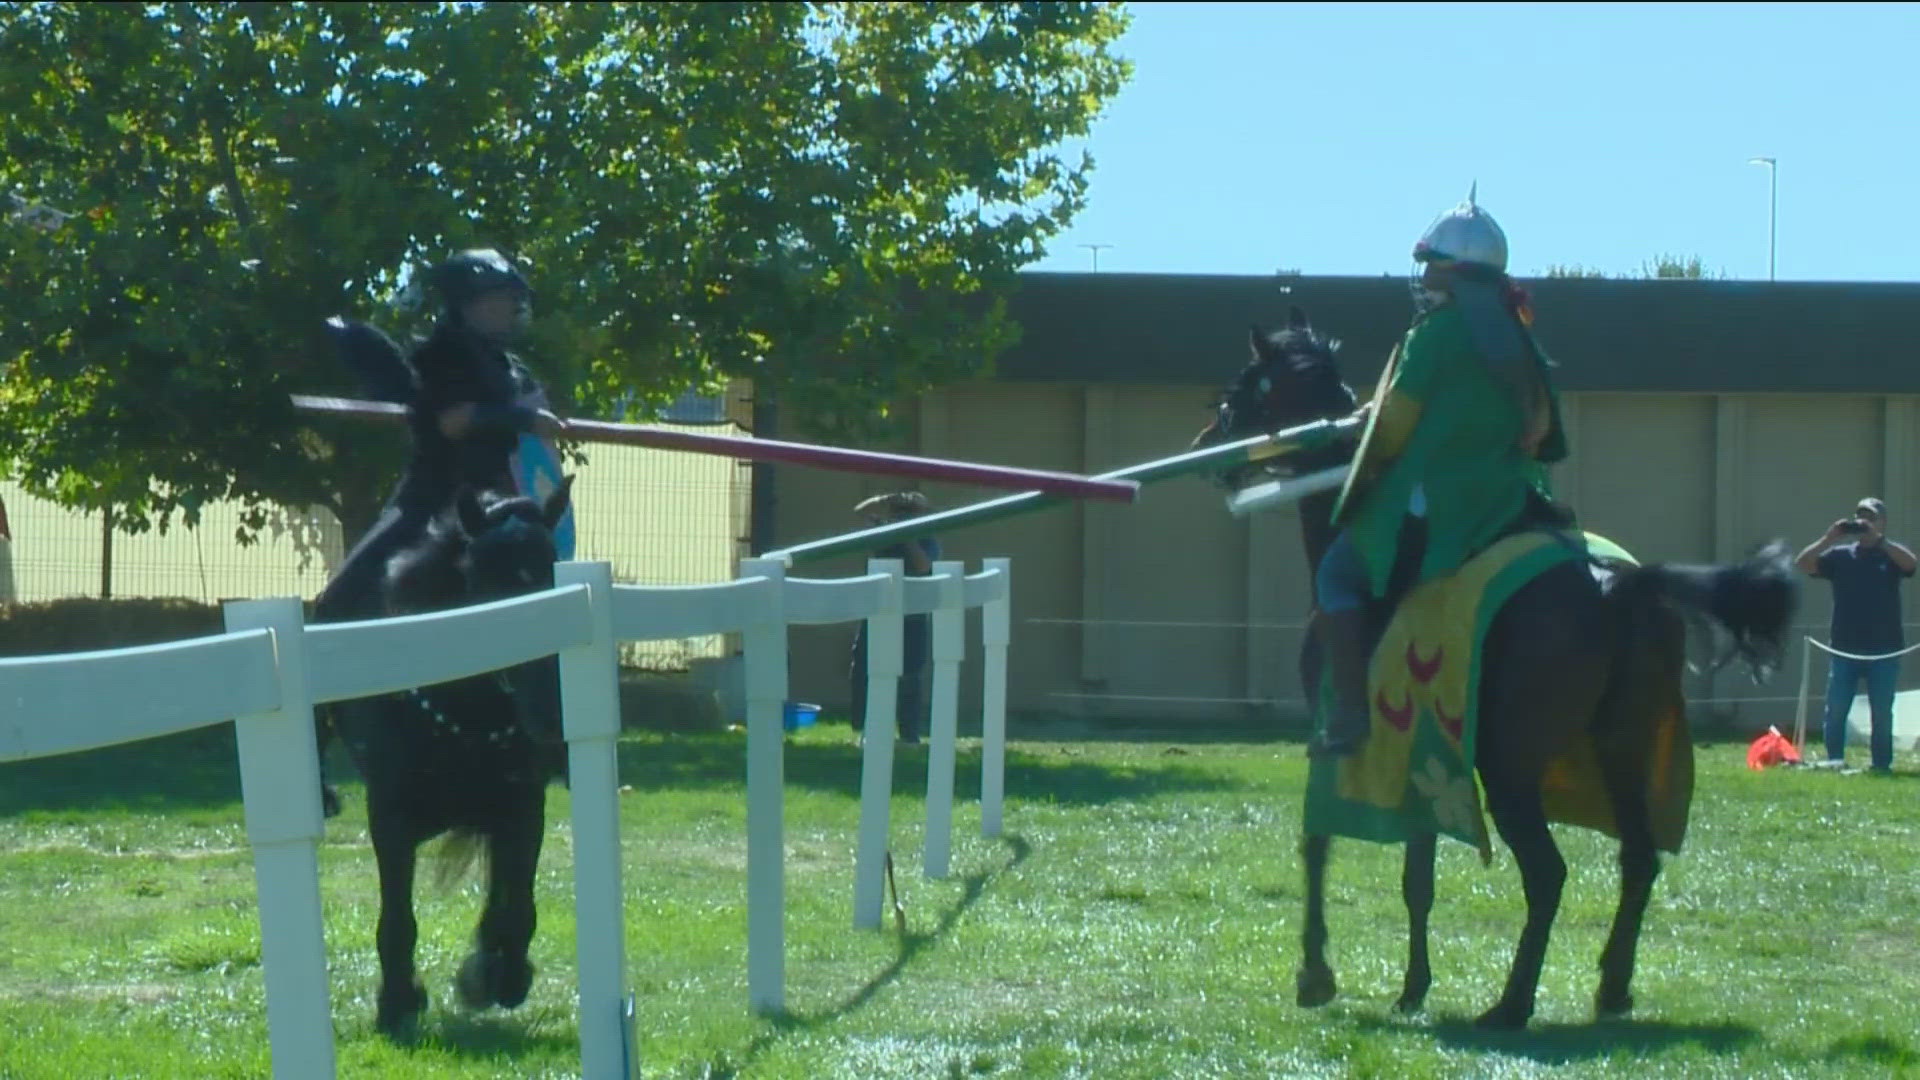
(1347, 647)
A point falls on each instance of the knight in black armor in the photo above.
(468, 403)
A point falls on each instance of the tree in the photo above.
(1675, 267)
(829, 199)
(1659, 267)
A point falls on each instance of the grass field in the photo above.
(1140, 919)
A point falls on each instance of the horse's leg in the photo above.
(1623, 743)
(322, 735)
(1517, 813)
(402, 997)
(1547, 665)
(1416, 888)
(497, 972)
(1313, 983)
(1639, 865)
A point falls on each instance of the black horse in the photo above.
(471, 757)
(1591, 651)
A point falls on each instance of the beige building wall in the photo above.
(1171, 608)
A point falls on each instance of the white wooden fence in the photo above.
(269, 670)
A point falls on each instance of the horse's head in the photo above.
(510, 552)
(509, 542)
(490, 546)
(1293, 378)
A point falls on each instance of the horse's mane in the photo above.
(432, 574)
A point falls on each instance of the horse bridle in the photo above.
(501, 681)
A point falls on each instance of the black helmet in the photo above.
(475, 272)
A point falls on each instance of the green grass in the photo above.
(1140, 919)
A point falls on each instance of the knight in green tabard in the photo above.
(1458, 435)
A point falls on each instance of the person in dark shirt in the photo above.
(466, 410)
(918, 556)
(1865, 569)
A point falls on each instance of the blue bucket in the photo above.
(799, 714)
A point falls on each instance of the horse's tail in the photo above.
(457, 854)
(1753, 601)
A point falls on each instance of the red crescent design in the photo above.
(1402, 718)
(1424, 670)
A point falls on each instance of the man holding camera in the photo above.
(1865, 569)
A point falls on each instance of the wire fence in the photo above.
(661, 517)
(1198, 665)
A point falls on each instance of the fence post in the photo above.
(949, 648)
(876, 757)
(1800, 709)
(996, 626)
(765, 644)
(590, 711)
(280, 789)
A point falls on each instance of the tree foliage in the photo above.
(828, 199)
(1662, 267)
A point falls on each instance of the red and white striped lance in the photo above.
(838, 459)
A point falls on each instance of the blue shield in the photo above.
(536, 468)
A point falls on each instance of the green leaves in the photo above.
(824, 198)
(1676, 267)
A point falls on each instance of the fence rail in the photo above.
(269, 670)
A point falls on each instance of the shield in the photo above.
(536, 469)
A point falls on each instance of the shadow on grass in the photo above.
(194, 770)
(1875, 1049)
(910, 947)
(707, 762)
(1564, 1044)
(199, 770)
(496, 1035)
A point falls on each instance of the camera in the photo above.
(1853, 527)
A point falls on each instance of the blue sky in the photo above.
(1325, 137)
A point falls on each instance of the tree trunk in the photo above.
(357, 507)
(761, 528)
(106, 552)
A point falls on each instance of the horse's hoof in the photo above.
(1503, 1017)
(329, 801)
(1612, 1006)
(398, 1017)
(511, 987)
(1413, 992)
(488, 979)
(472, 982)
(403, 1030)
(1313, 987)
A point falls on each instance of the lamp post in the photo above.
(1773, 205)
(1095, 248)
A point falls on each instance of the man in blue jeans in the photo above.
(1865, 569)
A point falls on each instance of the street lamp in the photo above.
(1095, 248)
(1773, 204)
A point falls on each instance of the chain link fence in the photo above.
(661, 517)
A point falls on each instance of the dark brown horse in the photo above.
(1588, 650)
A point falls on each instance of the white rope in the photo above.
(1168, 625)
(1806, 678)
(1831, 651)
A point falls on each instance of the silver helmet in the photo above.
(1466, 234)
